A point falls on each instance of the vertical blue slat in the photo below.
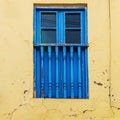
(68, 75)
(60, 63)
(83, 28)
(34, 26)
(71, 72)
(75, 72)
(86, 54)
(86, 73)
(50, 82)
(57, 77)
(46, 76)
(64, 59)
(42, 71)
(83, 73)
(34, 42)
(60, 27)
(82, 54)
(35, 75)
(38, 93)
(53, 70)
(79, 72)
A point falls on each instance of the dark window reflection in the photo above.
(72, 36)
(72, 20)
(48, 20)
(48, 36)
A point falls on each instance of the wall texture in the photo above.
(16, 64)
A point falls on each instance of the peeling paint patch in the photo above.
(87, 111)
(98, 83)
(25, 91)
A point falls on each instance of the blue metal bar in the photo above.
(68, 71)
(57, 76)
(46, 75)
(42, 71)
(86, 73)
(86, 52)
(64, 83)
(48, 28)
(71, 72)
(47, 8)
(34, 25)
(83, 74)
(75, 70)
(60, 63)
(60, 27)
(53, 70)
(38, 84)
(79, 73)
(42, 44)
(82, 55)
(50, 82)
(36, 56)
(78, 29)
(82, 18)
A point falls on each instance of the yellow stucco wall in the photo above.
(16, 64)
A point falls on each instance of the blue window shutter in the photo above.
(60, 69)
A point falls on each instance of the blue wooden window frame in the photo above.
(71, 90)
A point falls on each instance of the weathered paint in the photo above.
(16, 64)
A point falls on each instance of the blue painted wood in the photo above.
(79, 73)
(38, 30)
(86, 73)
(82, 55)
(53, 71)
(50, 81)
(86, 53)
(38, 84)
(68, 73)
(42, 71)
(35, 72)
(64, 69)
(34, 42)
(57, 74)
(53, 8)
(83, 28)
(48, 28)
(46, 72)
(75, 72)
(71, 72)
(60, 27)
(73, 28)
(34, 26)
(60, 70)
(83, 74)
(52, 44)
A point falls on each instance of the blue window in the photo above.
(60, 52)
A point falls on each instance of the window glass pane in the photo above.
(72, 20)
(72, 36)
(48, 36)
(48, 20)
